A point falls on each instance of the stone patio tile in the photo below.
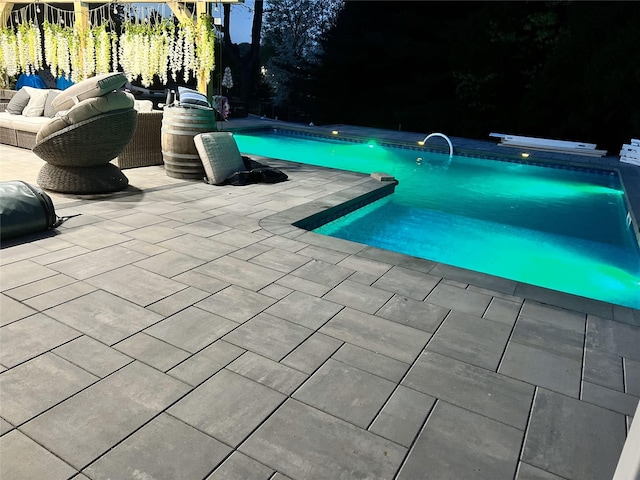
(473, 388)
(146, 248)
(413, 313)
(241, 273)
(573, 439)
(365, 265)
(31, 336)
(94, 263)
(24, 251)
(154, 233)
(284, 441)
(186, 215)
(371, 362)
(93, 238)
(204, 228)
(324, 273)
(632, 377)
(104, 316)
(283, 243)
(206, 363)
(409, 283)
(23, 273)
(459, 299)
(198, 247)
(191, 329)
(268, 336)
(603, 369)
(346, 392)
(165, 448)
(613, 337)
(324, 254)
(267, 372)
(377, 334)
(236, 303)
(62, 254)
(139, 219)
(201, 281)
(608, 398)
(543, 368)
(152, 351)
(169, 264)
(470, 277)
(302, 285)
(240, 467)
(178, 301)
(457, 443)
(39, 287)
(275, 291)
(529, 472)
(93, 356)
(88, 424)
(59, 296)
(360, 297)
(560, 316)
(249, 252)
(563, 301)
(36, 385)
(403, 416)
(312, 353)
(136, 285)
(280, 260)
(238, 238)
(304, 309)
(503, 311)
(228, 406)
(24, 459)
(13, 310)
(471, 339)
(550, 336)
(5, 427)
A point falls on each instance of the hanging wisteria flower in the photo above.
(227, 79)
(102, 49)
(8, 52)
(206, 46)
(29, 48)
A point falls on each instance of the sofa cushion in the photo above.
(89, 88)
(18, 102)
(192, 98)
(49, 111)
(219, 154)
(95, 106)
(52, 127)
(28, 124)
(85, 110)
(37, 99)
(143, 105)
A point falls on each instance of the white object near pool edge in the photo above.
(629, 463)
(382, 177)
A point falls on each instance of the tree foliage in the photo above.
(292, 32)
(556, 69)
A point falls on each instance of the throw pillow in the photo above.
(37, 99)
(18, 102)
(49, 111)
(192, 98)
(89, 88)
(219, 154)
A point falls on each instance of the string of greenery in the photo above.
(143, 50)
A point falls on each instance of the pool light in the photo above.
(524, 155)
(334, 132)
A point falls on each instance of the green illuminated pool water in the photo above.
(556, 228)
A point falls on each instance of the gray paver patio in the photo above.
(182, 330)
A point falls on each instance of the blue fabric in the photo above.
(192, 98)
(26, 80)
(62, 83)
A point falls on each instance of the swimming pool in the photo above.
(559, 228)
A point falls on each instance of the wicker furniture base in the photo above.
(78, 156)
(144, 149)
(82, 180)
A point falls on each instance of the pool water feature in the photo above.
(559, 228)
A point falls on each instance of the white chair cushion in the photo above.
(89, 88)
(219, 154)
